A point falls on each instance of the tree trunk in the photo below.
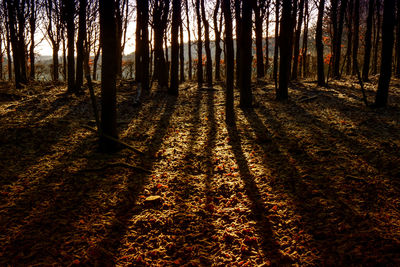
(229, 56)
(320, 45)
(181, 54)
(64, 56)
(118, 20)
(305, 40)
(142, 45)
(377, 37)
(176, 20)
(218, 49)
(259, 45)
(276, 48)
(209, 76)
(266, 66)
(108, 75)
(1, 55)
(14, 42)
(189, 41)
(398, 40)
(388, 24)
(238, 21)
(245, 55)
(285, 47)
(297, 41)
(21, 40)
(95, 62)
(199, 47)
(349, 36)
(56, 47)
(80, 51)
(32, 24)
(70, 11)
(356, 36)
(368, 44)
(337, 42)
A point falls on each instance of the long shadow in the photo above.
(258, 209)
(306, 191)
(127, 208)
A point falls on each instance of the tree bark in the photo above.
(368, 44)
(181, 53)
(142, 45)
(70, 11)
(285, 47)
(218, 49)
(80, 51)
(176, 20)
(209, 76)
(297, 41)
(388, 24)
(276, 48)
(238, 21)
(356, 36)
(199, 46)
(259, 45)
(320, 45)
(189, 41)
(108, 76)
(245, 55)
(377, 37)
(229, 56)
(337, 42)
(32, 24)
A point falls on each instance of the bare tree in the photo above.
(229, 56)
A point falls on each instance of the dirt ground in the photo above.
(311, 181)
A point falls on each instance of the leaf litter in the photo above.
(312, 181)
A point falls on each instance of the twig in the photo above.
(308, 98)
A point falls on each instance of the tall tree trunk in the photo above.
(14, 42)
(276, 48)
(377, 37)
(398, 40)
(118, 20)
(245, 55)
(176, 20)
(259, 42)
(1, 55)
(305, 40)
(266, 66)
(337, 42)
(32, 24)
(142, 44)
(189, 41)
(64, 57)
(320, 45)
(21, 40)
(181, 54)
(95, 62)
(368, 44)
(229, 56)
(56, 47)
(80, 51)
(70, 11)
(108, 75)
(209, 76)
(199, 46)
(218, 49)
(238, 21)
(356, 37)
(285, 47)
(297, 41)
(388, 24)
(349, 36)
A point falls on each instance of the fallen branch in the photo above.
(308, 98)
(117, 164)
(114, 139)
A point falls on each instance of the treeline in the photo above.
(351, 37)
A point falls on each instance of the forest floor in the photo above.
(311, 181)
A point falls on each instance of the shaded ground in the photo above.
(312, 181)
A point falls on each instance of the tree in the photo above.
(181, 53)
(32, 26)
(276, 48)
(337, 34)
(54, 32)
(176, 20)
(199, 46)
(189, 41)
(80, 51)
(258, 14)
(320, 45)
(377, 37)
(398, 40)
(297, 41)
(229, 56)
(238, 20)
(209, 77)
(386, 54)
(218, 50)
(160, 20)
(285, 47)
(245, 55)
(69, 9)
(368, 43)
(142, 44)
(108, 75)
(356, 36)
